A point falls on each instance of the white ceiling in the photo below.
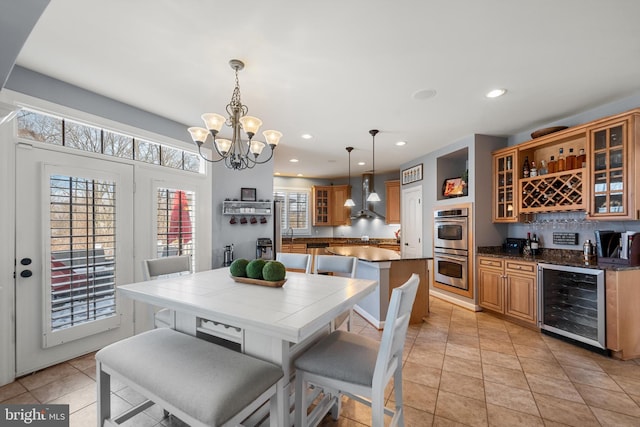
(335, 69)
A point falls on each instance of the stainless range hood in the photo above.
(367, 211)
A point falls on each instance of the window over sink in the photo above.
(295, 210)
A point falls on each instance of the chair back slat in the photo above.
(338, 265)
(153, 268)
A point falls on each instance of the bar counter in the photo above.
(391, 271)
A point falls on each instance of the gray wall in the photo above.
(44, 87)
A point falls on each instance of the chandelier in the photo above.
(237, 154)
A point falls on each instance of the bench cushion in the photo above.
(205, 380)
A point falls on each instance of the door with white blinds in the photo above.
(74, 247)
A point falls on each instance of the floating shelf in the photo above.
(234, 207)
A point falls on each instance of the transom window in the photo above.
(37, 126)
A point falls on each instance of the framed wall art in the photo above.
(412, 174)
(248, 194)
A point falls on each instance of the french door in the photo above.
(74, 247)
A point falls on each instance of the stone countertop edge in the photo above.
(568, 257)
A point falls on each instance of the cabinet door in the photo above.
(505, 203)
(340, 214)
(610, 166)
(491, 289)
(321, 209)
(392, 202)
(520, 296)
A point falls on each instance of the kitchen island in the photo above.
(391, 271)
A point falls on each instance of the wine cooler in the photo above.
(572, 304)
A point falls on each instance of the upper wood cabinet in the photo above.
(392, 202)
(604, 186)
(505, 197)
(328, 205)
(613, 155)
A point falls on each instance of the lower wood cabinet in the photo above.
(296, 248)
(622, 313)
(508, 287)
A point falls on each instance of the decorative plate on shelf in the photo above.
(248, 281)
(546, 131)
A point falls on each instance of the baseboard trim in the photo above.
(469, 306)
(368, 317)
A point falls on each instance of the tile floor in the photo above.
(461, 369)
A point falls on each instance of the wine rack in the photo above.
(559, 191)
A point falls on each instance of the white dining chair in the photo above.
(166, 267)
(357, 366)
(344, 266)
(294, 261)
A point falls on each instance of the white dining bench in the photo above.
(201, 383)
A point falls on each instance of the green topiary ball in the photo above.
(254, 268)
(274, 271)
(238, 267)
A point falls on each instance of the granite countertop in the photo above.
(571, 258)
(368, 253)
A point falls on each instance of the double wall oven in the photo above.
(451, 247)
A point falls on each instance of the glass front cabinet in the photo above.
(612, 171)
(504, 186)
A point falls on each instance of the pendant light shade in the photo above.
(373, 196)
(349, 202)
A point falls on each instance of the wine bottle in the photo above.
(571, 161)
(543, 168)
(534, 245)
(552, 165)
(581, 161)
(561, 166)
(533, 171)
(526, 169)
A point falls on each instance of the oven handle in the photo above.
(450, 220)
(452, 257)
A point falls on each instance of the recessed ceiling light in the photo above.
(496, 93)
(306, 136)
(299, 174)
(424, 94)
(277, 173)
(401, 143)
(294, 160)
(361, 163)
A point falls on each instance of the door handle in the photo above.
(26, 273)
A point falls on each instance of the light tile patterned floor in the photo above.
(461, 369)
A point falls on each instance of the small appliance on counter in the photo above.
(228, 255)
(264, 248)
(617, 249)
(514, 245)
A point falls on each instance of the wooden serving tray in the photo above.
(259, 282)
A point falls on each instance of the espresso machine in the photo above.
(264, 248)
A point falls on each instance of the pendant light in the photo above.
(349, 202)
(373, 196)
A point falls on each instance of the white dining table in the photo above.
(270, 323)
